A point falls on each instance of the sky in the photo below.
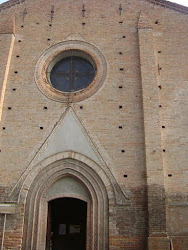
(182, 2)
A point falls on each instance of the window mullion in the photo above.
(71, 85)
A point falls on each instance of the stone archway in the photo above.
(67, 186)
(98, 195)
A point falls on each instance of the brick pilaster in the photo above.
(6, 47)
(153, 149)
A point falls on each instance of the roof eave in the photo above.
(169, 5)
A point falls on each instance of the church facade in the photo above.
(93, 109)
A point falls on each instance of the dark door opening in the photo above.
(66, 229)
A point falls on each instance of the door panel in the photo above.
(67, 224)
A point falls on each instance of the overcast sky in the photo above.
(183, 2)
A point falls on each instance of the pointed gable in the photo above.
(68, 135)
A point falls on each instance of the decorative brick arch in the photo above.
(20, 191)
(100, 192)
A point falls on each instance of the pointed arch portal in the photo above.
(60, 184)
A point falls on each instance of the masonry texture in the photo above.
(123, 139)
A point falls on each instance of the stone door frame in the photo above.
(43, 214)
(36, 208)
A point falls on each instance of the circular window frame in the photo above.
(54, 54)
(67, 54)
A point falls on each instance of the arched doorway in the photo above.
(67, 224)
(62, 180)
(66, 206)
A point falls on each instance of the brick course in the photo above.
(151, 88)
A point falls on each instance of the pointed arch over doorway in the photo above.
(50, 183)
